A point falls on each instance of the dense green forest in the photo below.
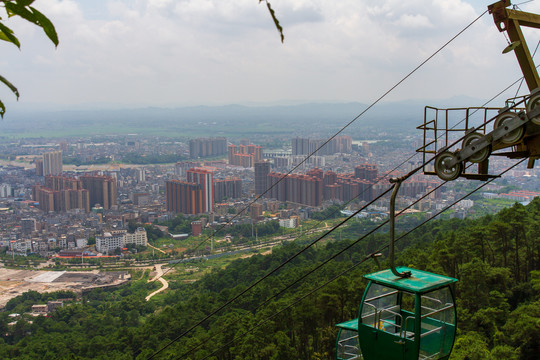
(496, 259)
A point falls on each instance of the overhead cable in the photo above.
(311, 244)
(336, 134)
(355, 265)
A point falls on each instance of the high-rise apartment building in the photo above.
(5, 190)
(62, 183)
(317, 186)
(204, 179)
(244, 155)
(194, 196)
(296, 188)
(262, 169)
(227, 189)
(366, 172)
(300, 146)
(102, 190)
(39, 166)
(141, 175)
(338, 144)
(61, 199)
(181, 167)
(183, 197)
(282, 162)
(206, 147)
(62, 193)
(44, 197)
(52, 163)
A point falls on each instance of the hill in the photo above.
(323, 119)
(496, 259)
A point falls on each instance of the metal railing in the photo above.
(349, 352)
(381, 296)
(379, 319)
(446, 307)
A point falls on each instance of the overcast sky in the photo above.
(135, 53)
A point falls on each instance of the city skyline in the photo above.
(181, 143)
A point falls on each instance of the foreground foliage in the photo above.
(496, 258)
(24, 10)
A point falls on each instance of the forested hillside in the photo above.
(496, 259)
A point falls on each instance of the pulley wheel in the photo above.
(513, 136)
(479, 155)
(532, 103)
(447, 174)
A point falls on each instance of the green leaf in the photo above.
(2, 109)
(24, 2)
(276, 22)
(4, 37)
(6, 34)
(34, 16)
(16, 9)
(10, 85)
(47, 26)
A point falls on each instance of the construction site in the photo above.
(15, 282)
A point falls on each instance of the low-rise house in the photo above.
(40, 309)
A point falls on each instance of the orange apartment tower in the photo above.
(194, 196)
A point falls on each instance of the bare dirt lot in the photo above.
(15, 282)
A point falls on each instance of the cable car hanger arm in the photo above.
(511, 20)
(392, 217)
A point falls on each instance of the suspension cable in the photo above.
(348, 124)
(269, 273)
(371, 185)
(290, 285)
(298, 253)
(357, 264)
(341, 223)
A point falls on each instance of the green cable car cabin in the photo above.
(407, 318)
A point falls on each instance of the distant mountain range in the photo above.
(227, 120)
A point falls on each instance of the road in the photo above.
(155, 248)
(159, 272)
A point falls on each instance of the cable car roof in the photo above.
(349, 325)
(419, 281)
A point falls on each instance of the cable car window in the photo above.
(407, 315)
(438, 324)
(348, 347)
(378, 298)
(380, 306)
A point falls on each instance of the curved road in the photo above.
(159, 273)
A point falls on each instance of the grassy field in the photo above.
(491, 206)
(189, 130)
(196, 269)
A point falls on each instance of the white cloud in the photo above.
(416, 21)
(155, 52)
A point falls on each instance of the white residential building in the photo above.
(109, 242)
(81, 243)
(22, 246)
(289, 223)
(138, 237)
(5, 190)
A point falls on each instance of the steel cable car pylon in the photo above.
(405, 313)
(515, 127)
